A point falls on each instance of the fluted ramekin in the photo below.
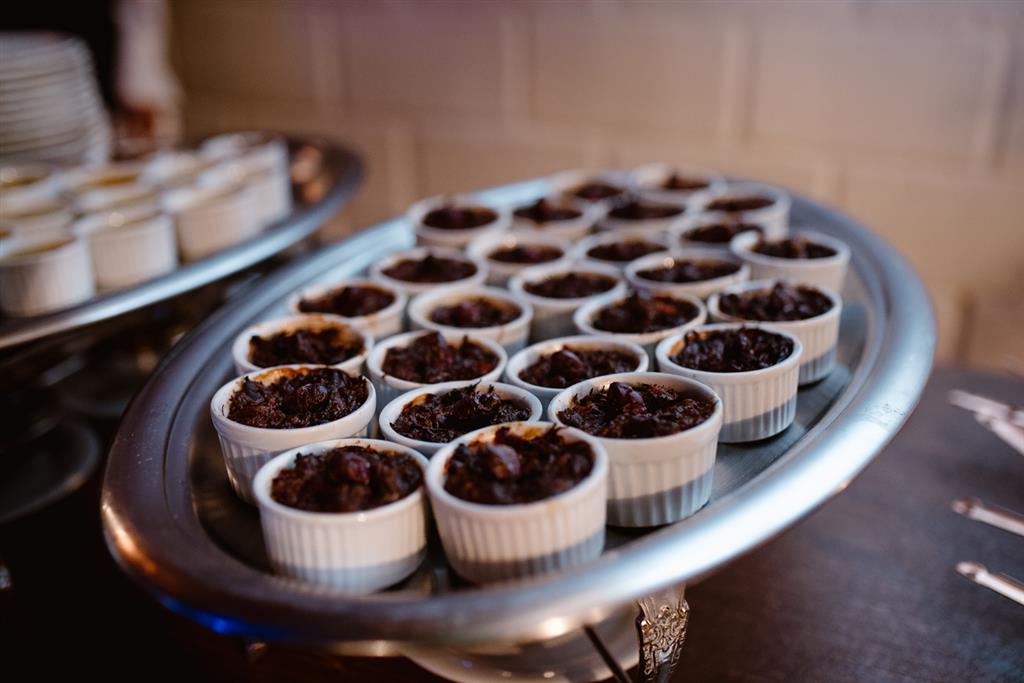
(659, 480)
(383, 323)
(564, 183)
(678, 232)
(393, 409)
(827, 273)
(819, 335)
(583, 319)
(246, 449)
(389, 388)
(774, 217)
(271, 189)
(212, 217)
(649, 182)
(511, 335)
(349, 552)
(240, 349)
(486, 543)
(129, 246)
(430, 236)
(413, 288)
(609, 237)
(554, 317)
(500, 271)
(41, 278)
(757, 403)
(700, 289)
(570, 229)
(531, 354)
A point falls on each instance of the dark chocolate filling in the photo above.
(351, 301)
(624, 250)
(543, 211)
(460, 217)
(526, 253)
(639, 313)
(297, 399)
(641, 411)
(739, 204)
(637, 210)
(690, 270)
(476, 312)
(794, 248)
(439, 418)
(782, 301)
(738, 350)
(429, 359)
(571, 285)
(570, 365)
(430, 269)
(328, 346)
(720, 233)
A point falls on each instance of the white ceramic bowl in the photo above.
(129, 246)
(827, 273)
(389, 388)
(531, 354)
(413, 288)
(553, 317)
(758, 403)
(271, 188)
(603, 238)
(649, 182)
(583, 319)
(511, 335)
(430, 236)
(246, 449)
(383, 323)
(211, 217)
(775, 217)
(37, 278)
(654, 227)
(569, 229)
(500, 271)
(486, 543)
(240, 350)
(392, 410)
(350, 552)
(564, 183)
(659, 480)
(819, 335)
(701, 288)
(680, 231)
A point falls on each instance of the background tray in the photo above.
(173, 523)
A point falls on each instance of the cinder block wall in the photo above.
(907, 114)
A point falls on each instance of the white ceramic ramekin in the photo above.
(700, 289)
(827, 273)
(512, 335)
(603, 238)
(129, 246)
(258, 148)
(392, 410)
(383, 323)
(583, 319)
(389, 388)
(413, 288)
(246, 449)
(564, 183)
(441, 237)
(38, 221)
(240, 350)
(271, 189)
(486, 543)
(211, 217)
(774, 218)
(679, 231)
(649, 182)
(553, 317)
(500, 271)
(757, 403)
(27, 185)
(531, 354)
(652, 227)
(660, 480)
(38, 279)
(350, 552)
(569, 229)
(819, 335)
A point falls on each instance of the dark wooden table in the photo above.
(863, 590)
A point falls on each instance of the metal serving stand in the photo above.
(174, 525)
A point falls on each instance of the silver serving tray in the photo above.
(175, 526)
(331, 175)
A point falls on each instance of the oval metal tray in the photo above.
(174, 525)
(331, 176)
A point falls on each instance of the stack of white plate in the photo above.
(50, 106)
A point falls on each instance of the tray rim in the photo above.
(341, 162)
(232, 597)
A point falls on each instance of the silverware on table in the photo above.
(1004, 420)
(993, 515)
(1000, 583)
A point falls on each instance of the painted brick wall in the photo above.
(908, 114)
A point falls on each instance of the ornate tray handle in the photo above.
(661, 630)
